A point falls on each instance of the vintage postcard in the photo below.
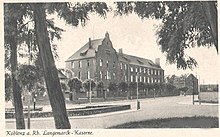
(110, 68)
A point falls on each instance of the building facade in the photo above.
(98, 60)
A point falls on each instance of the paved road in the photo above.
(164, 107)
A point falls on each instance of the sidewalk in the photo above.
(164, 107)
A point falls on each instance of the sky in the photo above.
(136, 37)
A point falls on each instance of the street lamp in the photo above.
(90, 92)
(138, 103)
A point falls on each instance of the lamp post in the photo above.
(138, 103)
(90, 92)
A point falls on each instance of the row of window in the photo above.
(144, 79)
(80, 64)
(137, 69)
(133, 78)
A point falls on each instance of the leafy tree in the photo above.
(185, 24)
(63, 86)
(141, 85)
(123, 86)
(132, 87)
(28, 76)
(113, 87)
(75, 84)
(12, 17)
(89, 83)
(72, 13)
(100, 88)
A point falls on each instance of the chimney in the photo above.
(120, 51)
(157, 61)
(107, 35)
(90, 43)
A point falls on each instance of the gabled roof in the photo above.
(86, 51)
(61, 75)
(133, 60)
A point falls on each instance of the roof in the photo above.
(134, 60)
(86, 51)
(61, 75)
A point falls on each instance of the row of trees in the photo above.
(120, 89)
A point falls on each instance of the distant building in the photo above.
(209, 88)
(98, 60)
(188, 81)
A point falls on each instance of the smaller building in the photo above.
(209, 88)
(189, 82)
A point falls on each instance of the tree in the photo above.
(63, 86)
(72, 14)
(113, 87)
(185, 24)
(8, 90)
(13, 15)
(123, 86)
(75, 85)
(100, 88)
(89, 83)
(132, 87)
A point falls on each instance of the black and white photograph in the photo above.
(79, 65)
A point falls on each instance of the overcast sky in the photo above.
(136, 37)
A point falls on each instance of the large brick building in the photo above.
(98, 60)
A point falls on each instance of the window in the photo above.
(140, 70)
(80, 64)
(144, 70)
(132, 69)
(72, 64)
(148, 80)
(121, 65)
(114, 64)
(136, 69)
(158, 80)
(100, 62)
(152, 71)
(152, 80)
(144, 79)
(113, 74)
(140, 79)
(107, 63)
(149, 71)
(79, 75)
(107, 52)
(108, 75)
(131, 78)
(126, 78)
(88, 63)
(100, 74)
(155, 72)
(136, 78)
(125, 66)
(88, 75)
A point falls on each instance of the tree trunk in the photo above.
(15, 87)
(210, 11)
(50, 71)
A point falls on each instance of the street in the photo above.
(163, 107)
